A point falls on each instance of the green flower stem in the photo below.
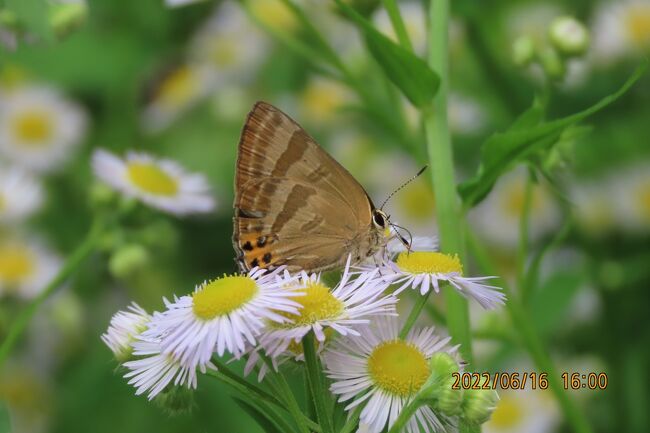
(72, 263)
(398, 24)
(282, 388)
(442, 171)
(414, 314)
(315, 384)
(405, 415)
(531, 339)
(353, 421)
(524, 228)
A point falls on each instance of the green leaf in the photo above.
(33, 14)
(5, 422)
(527, 135)
(266, 422)
(408, 72)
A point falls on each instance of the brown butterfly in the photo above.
(294, 204)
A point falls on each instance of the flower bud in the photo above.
(478, 405)
(176, 400)
(523, 50)
(128, 259)
(569, 36)
(449, 399)
(437, 392)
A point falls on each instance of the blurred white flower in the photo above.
(229, 46)
(531, 19)
(497, 217)
(179, 91)
(593, 208)
(385, 371)
(466, 115)
(160, 183)
(26, 267)
(630, 193)
(178, 3)
(528, 410)
(321, 99)
(39, 128)
(620, 28)
(125, 326)
(20, 195)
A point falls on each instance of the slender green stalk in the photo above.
(531, 339)
(353, 421)
(72, 263)
(524, 227)
(283, 389)
(442, 171)
(405, 415)
(315, 384)
(414, 314)
(398, 24)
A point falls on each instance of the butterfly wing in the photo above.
(294, 204)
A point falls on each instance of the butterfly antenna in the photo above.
(406, 243)
(402, 186)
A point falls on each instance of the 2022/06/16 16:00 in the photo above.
(505, 380)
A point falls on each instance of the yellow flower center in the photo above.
(638, 24)
(507, 415)
(33, 127)
(398, 368)
(223, 296)
(317, 303)
(224, 52)
(418, 201)
(179, 87)
(152, 179)
(321, 99)
(429, 262)
(16, 263)
(274, 13)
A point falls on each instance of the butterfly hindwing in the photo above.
(289, 193)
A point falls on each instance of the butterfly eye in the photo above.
(379, 219)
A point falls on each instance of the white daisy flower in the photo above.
(26, 267)
(527, 410)
(427, 270)
(386, 372)
(179, 3)
(592, 206)
(222, 315)
(620, 28)
(155, 369)
(160, 183)
(125, 326)
(466, 115)
(39, 128)
(497, 218)
(20, 195)
(179, 91)
(418, 243)
(351, 303)
(229, 46)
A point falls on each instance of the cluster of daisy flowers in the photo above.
(263, 317)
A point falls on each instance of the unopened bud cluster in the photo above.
(567, 38)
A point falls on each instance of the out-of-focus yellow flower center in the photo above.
(223, 296)
(274, 13)
(33, 127)
(16, 263)
(317, 303)
(178, 88)
(418, 201)
(514, 199)
(507, 415)
(321, 99)
(224, 52)
(638, 24)
(429, 262)
(398, 368)
(152, 179)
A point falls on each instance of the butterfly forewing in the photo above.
(294, 204)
